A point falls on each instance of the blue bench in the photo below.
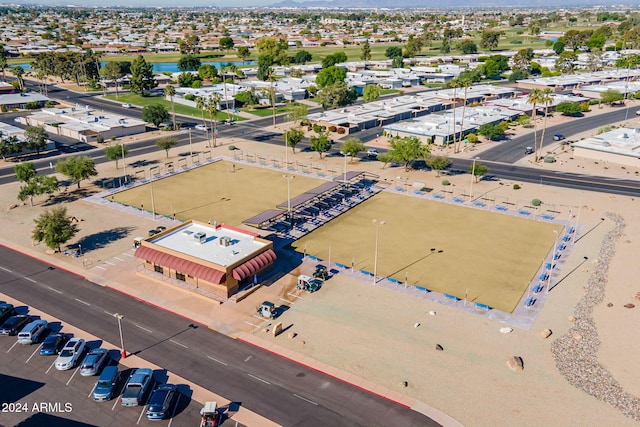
(398, 188)
(458, 200)
(341, 266)
(417, 192)
(561, 247)
(479, 204)
(538, 288)
(557, 256)
(544, 276)
(547, 216)
(524, 212)
(549, 266)
(438, 196)
(501, 208)
(392, 280)
(420, 288)
(366, 273)
(571, 230)
(566, 238)
(530, 301)
(453, 297)
(485, 306)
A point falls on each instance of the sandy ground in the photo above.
(371, 331)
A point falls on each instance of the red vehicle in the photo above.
(210, 415)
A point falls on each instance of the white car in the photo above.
(372, 152)
(202, 128)
(127, 105)
(70, 354)
(638, 113)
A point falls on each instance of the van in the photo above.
(106, 386)
(32, 332)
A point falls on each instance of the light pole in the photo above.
(553, 260)
(119, 317)
(124, 163)
(473, 177)
(344, 154)
(190, 141)
(378, 224)
(289, 178)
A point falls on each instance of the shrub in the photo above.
(516, 42)
(232, 148)
(190, 97)
(332, 128)
(50, 104)
(445, 182)
(32, 105)
(549, 159)
(317, 128)
(584, 107)
(516, 186)
(196, 84)
(100, 139)
(3, 108)
(341, 131)
(113, 138)
(536, 202)
(472, 138)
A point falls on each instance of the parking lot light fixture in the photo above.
(378, 224)
(122, 350)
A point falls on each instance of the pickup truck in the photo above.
(136, 387)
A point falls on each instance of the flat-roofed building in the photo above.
(216, 258)
(620, 146)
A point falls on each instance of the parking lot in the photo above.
(34, 392)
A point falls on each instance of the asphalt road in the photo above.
(281, 390)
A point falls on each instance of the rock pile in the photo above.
(576, 358)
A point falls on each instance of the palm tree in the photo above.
(535, 96)
(546, 99)
(170, 91)
(466, 83)
(455, 84)
(212, 109)
(201, 104)
(18, 71)
(3, 64)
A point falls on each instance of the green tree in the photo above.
(568, 108)
(302, 57)
(365, 54)
(406, 150)
(336, 58)
(611, 96)
(37, 186)
(393, 52)
(491, 130)
(558, 47)
(490, 39)
(170, 91)
(297, 112)
(54, 227)
(166, 144)
(397, 62)
(207, 72)
(438, 163)
(36, 138)
(565, 63)
(189, 63)
(371, 93)
(534, 98)
(330, 75)
(18, 71)
(25, 171)
(522, 59)
(477, 169)
(9, 145)
(336, 95)
(468, 47)
(264, 67)
(155, 113)
(247, 98)
(77, 167)
(243, 53)
(112, 71)
(212, 107)
(115, 152)
(293, 137)
(226, 43)
(385, 158)
(352, 146)
(320, 143)
(141, 78)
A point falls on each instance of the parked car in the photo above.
(202, 128)
(6, 310)
(558, 137)
(638, 113)
(33, 331)
(161, 401)
(210, 415)
(105, 388)
(372, 152)
(14, 324)
(93, 361)
(53, 344)
(136, 387)
(127, 105)
(528, 150)
(70, 354)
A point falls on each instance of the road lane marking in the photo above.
(110, 314)
(587, 181)
(82, 302)
(6, 269)
(143, 328)
(119, 259)
(305, 399)
(248, 358)
(11, 348)
(51, 366)
(73, 375)
(54, 290)
(141, 412)
(216, 360)
(32, 354)
(259, 379)
(30, 279)
(177, 343)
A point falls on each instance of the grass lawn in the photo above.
(143, 101)
(267, 111)
(494, 256)
(214, 193)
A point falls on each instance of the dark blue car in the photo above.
(53, 344)
(161, 401)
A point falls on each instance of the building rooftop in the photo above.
(621, 141)
(218, 244)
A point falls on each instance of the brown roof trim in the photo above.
(255, 264)
(181, 265)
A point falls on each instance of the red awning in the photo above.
(255, 264)
(181, 265)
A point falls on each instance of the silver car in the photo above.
(70, 354)
(93, 362)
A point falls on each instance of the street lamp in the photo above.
(289, 178)
(190, 147)
(473, 177)
(344, 154)
(378, 224)
(119, 317)
(124, 163)
(553, 260)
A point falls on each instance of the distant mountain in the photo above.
(417, 4)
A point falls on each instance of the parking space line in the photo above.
(129, 255)
(73, 375)
(54, 290)
(216, 360)
(294, 295)
(6, 269)
(82, 302)
(175, 408)
(305, 399)
(249, 323)
(29, 279)
(177, 343)
(116, 400)
(286, 300)
(92, 388)
(51, 366)
(109, 263)
(11, 348)
(110, 314)
(119, 259)
(141, 412)
(259, 379)
(33, 354)
(101, 268)
(143, 328)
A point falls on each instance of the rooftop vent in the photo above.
(225, 241)
(200, 237)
